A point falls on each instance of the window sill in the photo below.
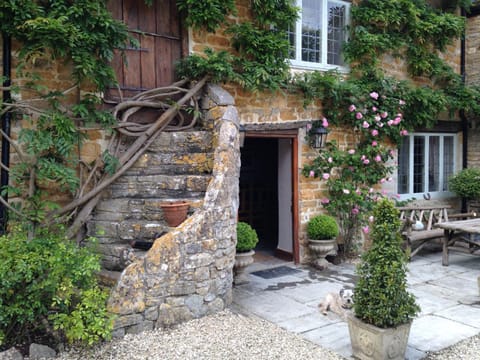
(437, 195)
(306, 66)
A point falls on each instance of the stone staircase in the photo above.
(178, 166)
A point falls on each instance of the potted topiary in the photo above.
(466, 185)
(322, 231)
(247, 239)
(383, 308)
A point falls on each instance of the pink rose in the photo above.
(352, 108)
(330, 160)
(351, 151)
(358, 115)
(355, 211)
(365, 125)
(311, 174)
(374, 132)
(378, 158)
(325, 201)
(366, 161)
(370, 219)
(365, 229)
(401, 102)
(374, 108)
(374, 95)
(374, 143)
(403, 132)
(382, 180)
(397, 120)
(326, 176)
(390, 122)
(384, 114)
(324, 122)
(363, 157)
(378, 118)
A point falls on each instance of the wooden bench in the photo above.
(428, 216)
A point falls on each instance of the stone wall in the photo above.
(188, 272)
(472, 69)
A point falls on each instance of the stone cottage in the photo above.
(186, 271)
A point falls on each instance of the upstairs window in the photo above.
(317, 39)
(425, 163)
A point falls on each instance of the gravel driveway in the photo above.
(227, 335)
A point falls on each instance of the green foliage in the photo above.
(322, 227)
(381, 297)
(83, 35)
(466, 183)
(83, 32)
(278, 14)
(206, 14)
(216, 65)
(247, 237)
(262, 62)
(49, 282)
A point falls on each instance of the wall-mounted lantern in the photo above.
(319, 137)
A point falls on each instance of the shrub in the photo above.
(49, 291)
(247, 237)
(466, 183)
(322, 227)
(381, 297)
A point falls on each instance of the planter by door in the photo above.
(322, 248)
(242, 260)
(175, 212)
(373, 343)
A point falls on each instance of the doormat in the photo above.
(276, 272)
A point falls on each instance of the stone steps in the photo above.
(177, 166)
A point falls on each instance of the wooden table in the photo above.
(460, 235)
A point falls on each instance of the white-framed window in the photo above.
(319, 34)
(425, 163)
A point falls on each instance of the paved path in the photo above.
(448, 296)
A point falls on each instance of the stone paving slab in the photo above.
(334, 337)
(462, 314)
(267, 307)
(429, 303)
(308, 322)
(433, 333)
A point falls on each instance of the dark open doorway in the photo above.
(258, 190)
(268, 190)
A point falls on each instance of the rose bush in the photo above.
(354, 174)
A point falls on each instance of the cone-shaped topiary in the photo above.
(322, 227)
(247, 237)
(381, 297)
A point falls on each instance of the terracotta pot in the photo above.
(175, 212)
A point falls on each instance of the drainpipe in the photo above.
(6, 119)
(463, 117)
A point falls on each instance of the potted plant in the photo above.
(247, 239)
(322, 231)
(383, 309)
(175, 212)
(466, 185)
